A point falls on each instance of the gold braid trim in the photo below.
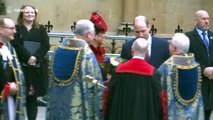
(76, 68)
(18, 97)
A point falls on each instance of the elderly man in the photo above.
(181, 82)
(11, 76)
(158, 47)
(135, 88)
(201, 44)
(70, 97)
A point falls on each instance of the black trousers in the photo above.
(31, 107)
(207, 114)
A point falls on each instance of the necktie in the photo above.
(147, 56)
(206, 43)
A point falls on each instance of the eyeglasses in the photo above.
(11, 28)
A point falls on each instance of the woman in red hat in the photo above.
(100, 30)
(96, 45)
(98, 49)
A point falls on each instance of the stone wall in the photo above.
(164, 14)
(2, 7)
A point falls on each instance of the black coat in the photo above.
(37, 76)
(159, 51)
(198, 48)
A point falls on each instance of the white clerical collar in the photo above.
(149, 40)
(139, 57)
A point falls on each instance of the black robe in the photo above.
(134, 92)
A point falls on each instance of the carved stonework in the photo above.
(48, 26)
(2, 7)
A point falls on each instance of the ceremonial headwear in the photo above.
(98, 22)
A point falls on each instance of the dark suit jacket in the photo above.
(159, 51)
(198, 48)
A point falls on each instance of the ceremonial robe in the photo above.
(181, 82)
(134, 92)
(10, 71)
(71, 98)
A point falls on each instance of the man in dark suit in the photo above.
(158, 48)
(201, 44)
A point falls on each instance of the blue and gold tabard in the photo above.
(70, 98)
(19, 98)
(181, 79)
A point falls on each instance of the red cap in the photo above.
(98, 21)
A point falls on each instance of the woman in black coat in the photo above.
(32, 44)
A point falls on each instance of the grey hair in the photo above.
(84, 26)
(181, 42)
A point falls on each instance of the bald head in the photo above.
(200, 13)
(141, 27)
(141, 19)
(6, 22)
(7, 29)
(202, 19)
(140, 47)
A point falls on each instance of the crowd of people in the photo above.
(158, 80)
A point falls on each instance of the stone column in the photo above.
(129, 10)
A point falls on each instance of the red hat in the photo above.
(98, 21)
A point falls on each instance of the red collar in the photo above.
(136, 66)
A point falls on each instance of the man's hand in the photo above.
(13, 88)
(9, 89)
(208, 72)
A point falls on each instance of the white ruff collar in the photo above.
(6, 54)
